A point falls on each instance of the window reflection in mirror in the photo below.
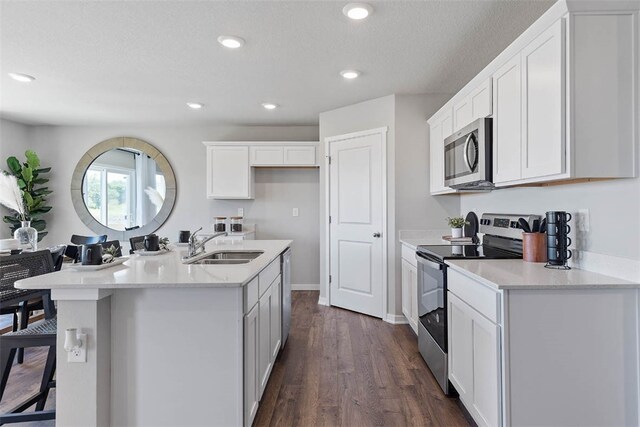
(123, 188)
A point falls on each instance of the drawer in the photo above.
(268, 275)
(484, 300)
(250, 294)
(409, 255)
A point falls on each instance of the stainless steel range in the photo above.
(502, 240)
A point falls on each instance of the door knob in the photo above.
(376, 235)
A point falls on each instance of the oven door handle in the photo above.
(428, 263)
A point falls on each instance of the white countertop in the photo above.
(414, 238)
(165, 271)
(517, 274)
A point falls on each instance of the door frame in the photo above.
(382, 131)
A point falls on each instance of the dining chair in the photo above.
(57, 256)
(137, 244)
(24, 301)
(39, 334)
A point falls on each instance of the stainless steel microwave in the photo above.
(467, 157)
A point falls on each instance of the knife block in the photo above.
(534, 247)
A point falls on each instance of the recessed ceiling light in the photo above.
(24, 78)
(232, 42)
(349, 74)
(357, 11)
(269, 105)
(195, 105)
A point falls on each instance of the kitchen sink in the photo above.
(225, 258)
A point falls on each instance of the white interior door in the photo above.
(356, 207)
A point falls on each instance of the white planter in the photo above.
(456, 232)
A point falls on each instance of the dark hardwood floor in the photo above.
(338, 368)
(341, 368)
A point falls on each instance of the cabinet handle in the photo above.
(376, 235)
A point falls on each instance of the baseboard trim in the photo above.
(305, 287)
(323, 301)
(396, 319)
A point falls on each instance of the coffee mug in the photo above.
(184, 235)
(556, 255)
(555, 217)
(558, 241)
(91, 254)
(151, 243)
(558, 229)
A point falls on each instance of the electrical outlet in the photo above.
(241, 212)
(583, 220)
(79, 355)
(295, 212)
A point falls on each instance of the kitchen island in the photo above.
(168, 343)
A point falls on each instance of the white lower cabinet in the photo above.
(474, 354)
(410, 293)
(251, 345)
(264, 352)
(275, 331)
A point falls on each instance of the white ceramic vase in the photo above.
(456, 232)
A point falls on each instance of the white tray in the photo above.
(143, 252)
(115, 262)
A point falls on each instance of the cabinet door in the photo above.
(264, 352)
(462, 115)
(460, 325)
(228, 172)
(507, 122)
(251, 344)
(276, 317)
(413, 292)
(300, 155)
(406, 290)
(441, 128)
(480, 101)
(267, 155)
(486, 370)
(543, 104)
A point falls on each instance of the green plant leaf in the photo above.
(42, 191)
(40, 210)
(40, 181)
(27, 174)
(40, 226)
(32, 159)
(28, 200)
(21, 184)
(42, 170)
(14, 166)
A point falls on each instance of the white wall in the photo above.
(62, 147)
(14, 141)
(409, 204)
(614, 207)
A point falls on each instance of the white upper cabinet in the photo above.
(474, 106)
(543, 137)
(439, 129)
(228, 173)
(507, 122)
(230, 164)
(281, 154)
(563, 97)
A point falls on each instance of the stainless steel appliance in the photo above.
(467, 157)
(285, 270)
(502, 240)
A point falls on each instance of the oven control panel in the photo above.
(505, 225)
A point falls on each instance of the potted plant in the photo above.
(456, 224)
(29, 180)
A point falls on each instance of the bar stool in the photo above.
(39, 334)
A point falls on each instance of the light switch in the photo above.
(241, 212)
(295, 212)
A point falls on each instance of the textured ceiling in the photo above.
(108, 62)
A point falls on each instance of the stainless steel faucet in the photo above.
(196, 247)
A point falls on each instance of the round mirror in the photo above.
(123, 187)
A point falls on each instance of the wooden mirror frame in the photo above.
(108, 145)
